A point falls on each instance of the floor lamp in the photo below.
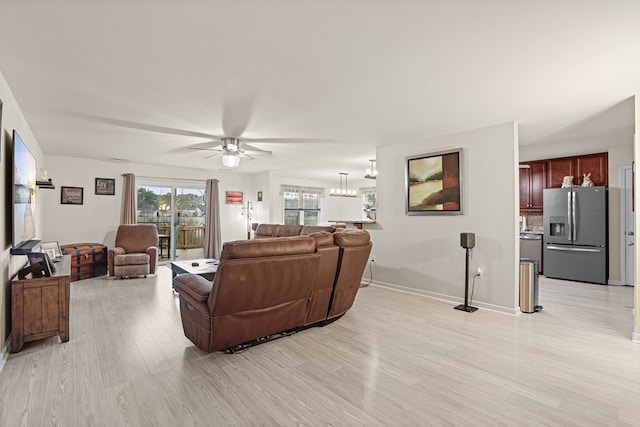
(467, 241)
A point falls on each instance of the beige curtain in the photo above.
(212, 240)
(130, 199)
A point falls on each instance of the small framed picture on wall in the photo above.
(106, 186)
(71, 195)
(234, 197)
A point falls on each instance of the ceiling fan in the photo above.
(231, 149)
(235, 119)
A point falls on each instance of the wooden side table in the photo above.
(40, 306)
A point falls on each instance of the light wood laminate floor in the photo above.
(394, 359)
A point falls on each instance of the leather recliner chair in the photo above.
(136, 251)
(261, 287)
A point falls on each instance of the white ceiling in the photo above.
(140, 80)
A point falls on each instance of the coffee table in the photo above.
(206, 267)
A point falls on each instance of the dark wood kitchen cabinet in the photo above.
(533, 180)
(40, 307)
(558, 168)
(595, 164)
(576, 166)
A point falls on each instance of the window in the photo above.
(369, 202)
(301, 204)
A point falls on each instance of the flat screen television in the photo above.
(24, 194)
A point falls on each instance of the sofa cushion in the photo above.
(309, 229)
(268, 247)
(352, 238)
(287, 230)
(265, 231)
(322, 238)
(131, 259)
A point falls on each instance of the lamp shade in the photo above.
(230, 160)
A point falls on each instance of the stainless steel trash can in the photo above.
(529, 286)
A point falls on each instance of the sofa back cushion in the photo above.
(310, 229)
(137, 237)
(261, 287)
(355, 247)
(287, 230)
(265, 231)
(323, 287)
(267, 247)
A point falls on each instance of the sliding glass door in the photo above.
(178, 212)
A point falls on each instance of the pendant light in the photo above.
(343, 192)
(372, 172)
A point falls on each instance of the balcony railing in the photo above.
(188, 236)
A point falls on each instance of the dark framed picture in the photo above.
(434, 183)
(46, 266)
(106, 186)
(259, 196)
(71, 195)
(234, 197)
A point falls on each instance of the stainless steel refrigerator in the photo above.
(576, 234)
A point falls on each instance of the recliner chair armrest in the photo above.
(153, 258)
(111, 254)
(196, 287)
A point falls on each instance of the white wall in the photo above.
(423, 253)
(98, 217)
(12, 118)
(333, 208)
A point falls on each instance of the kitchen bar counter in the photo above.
(356, 222)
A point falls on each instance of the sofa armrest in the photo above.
(194, 286)
(153, 258)
(111, 254)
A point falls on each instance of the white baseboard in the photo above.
(447, 298)
(615, 283)
(635, 337)
(4, 354)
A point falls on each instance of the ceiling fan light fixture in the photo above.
(231, 144)
(230, 160)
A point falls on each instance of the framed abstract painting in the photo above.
(434, 183)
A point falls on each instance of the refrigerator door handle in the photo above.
(570, 233)
(559, 248)
(574, 224)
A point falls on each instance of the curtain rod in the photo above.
(160, 178)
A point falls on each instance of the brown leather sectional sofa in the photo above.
(265, 231)
(270, 285)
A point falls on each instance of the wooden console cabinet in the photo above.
(40, 306)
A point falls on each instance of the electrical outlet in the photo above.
(372, 259)
(479, 273)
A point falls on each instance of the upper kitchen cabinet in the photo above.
(558, 168)
(577, 166)
(533, 178)
(595, 164)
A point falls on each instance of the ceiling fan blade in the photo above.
(213, 155)
(256, 150)
(144, 126)
(289, 140)
(217, 148)
(247, 156)
(236, 116)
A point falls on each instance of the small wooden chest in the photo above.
(87, 260)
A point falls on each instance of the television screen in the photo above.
(24, 192)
